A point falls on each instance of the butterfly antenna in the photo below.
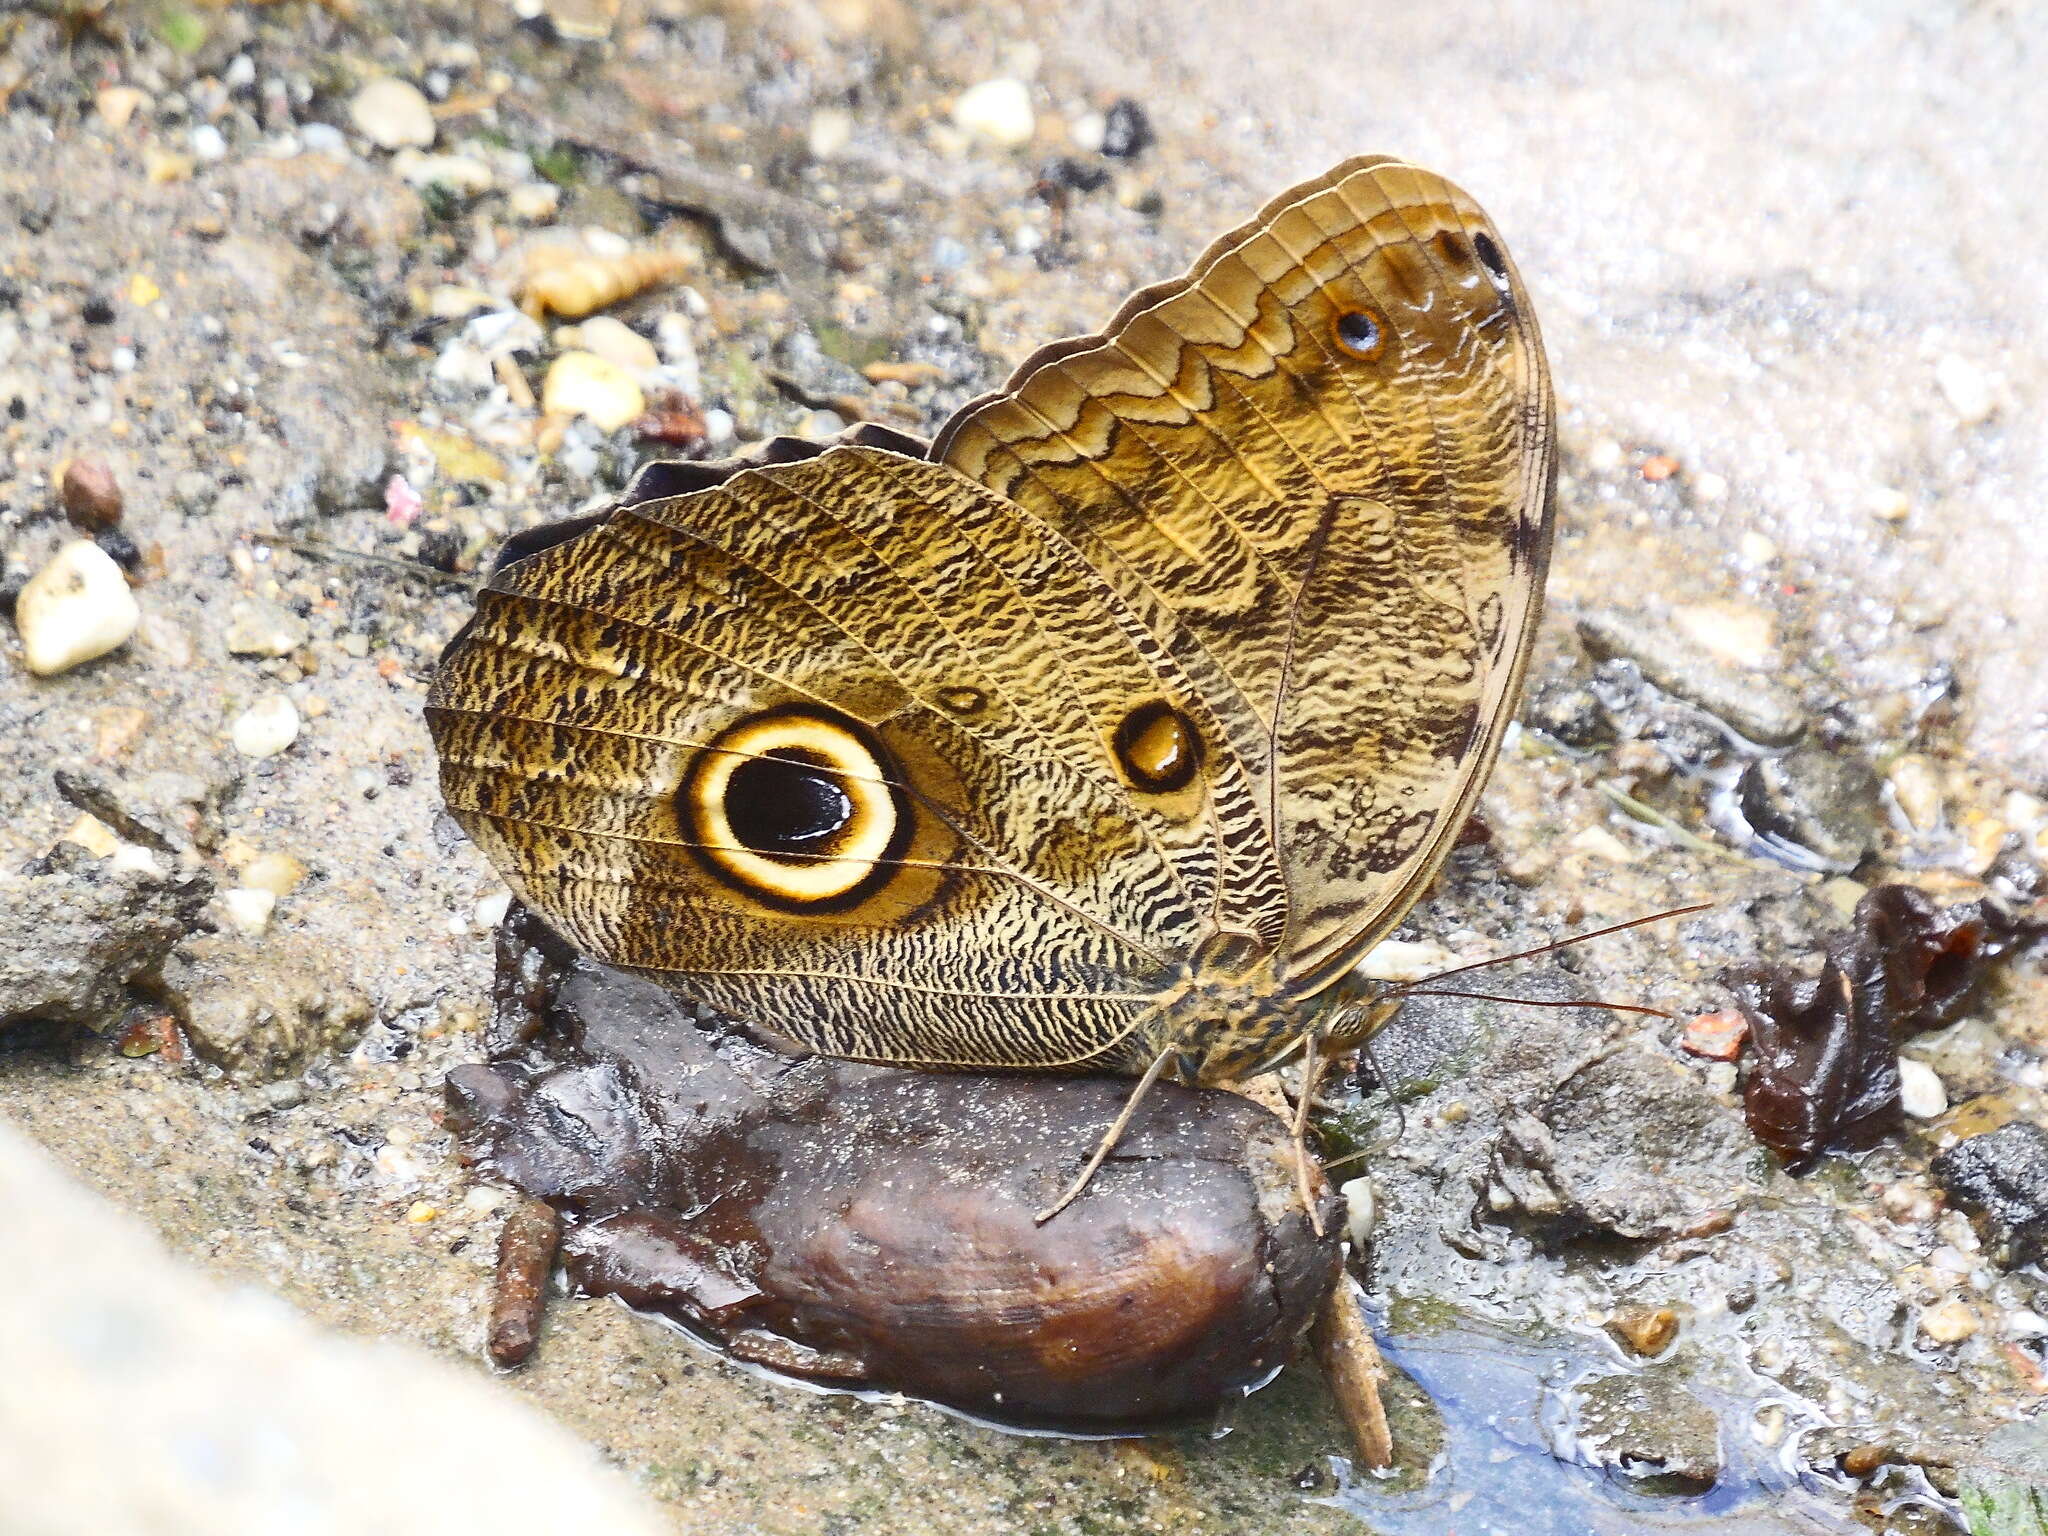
(1554, 944)
(1544, 1002)
(1380, 1072)
(1110, 1137)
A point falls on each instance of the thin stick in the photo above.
(1110, 1138)
(1351, 1362)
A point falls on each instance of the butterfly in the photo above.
(1106, 732)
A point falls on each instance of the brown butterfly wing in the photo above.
(1031, 905)
(1295, 506)
(1321, 465)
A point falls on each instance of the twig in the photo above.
(1352, 1366)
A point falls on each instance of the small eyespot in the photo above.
(1361, 333)
(1490, 257)
(1157, 748)
(787, 802)
(963, 701)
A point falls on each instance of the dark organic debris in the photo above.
(863, 1226)
(2001, 1178)
(1824, 1067)
(1126, 130)
(526, 1255)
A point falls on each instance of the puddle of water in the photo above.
(1507, 1467)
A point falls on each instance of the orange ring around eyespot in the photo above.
(857, 858)
(1360, 333)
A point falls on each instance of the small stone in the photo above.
(831, 130)
(584, 384)
(998, 111)
(1647, 1426)
(492, 909)
(1604, 455)
(1816, 807)
(208, 143)
(117, 104)
(1916, 787)
(1949, 1322)
(1646, 1331)
(1087, 131)
(93, 835)
(1887, 504)
(249, 910)
(392, 114)
(1715, 1036)
(534, 202)
(1966, 387)
(277, 873)
(258, 627)
(461, 174)
(92, 496)
(1659, 467)
(1734, 633)
(1751, 702)
(1602, 844)
(1712, 487)
(266, 727)
(2001, 1178)
(1755, 548)
(1358, 1212)
(1126, 130)
(1921, 1093)
(421, 1212)
(75, 608)
(616, 342)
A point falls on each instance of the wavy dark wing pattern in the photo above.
(1321, 467)
(1206, 626)
(1028, 919)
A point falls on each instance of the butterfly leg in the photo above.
(1311, 1071)
(1110, 1137)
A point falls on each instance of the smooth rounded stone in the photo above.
(997, 111)
(1966, 387)
(1921, 1093)
(462, 174)
(615, 342)
(2001, 1179)
(1815, 806)
(1734, 633)
(92, 496)
(235, 1412)
(259, 627)
(1751, 704)
(277, 873)
(831, 130)
(75, 608)
(1651, 1429)
(534, 202)
(266, 727)
(393, 114)
(584, 384)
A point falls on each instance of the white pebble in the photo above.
(1734, 632)
(207, 143)
(1710, 487)
(1966, 387)
(1358, 1211)
(617, 342)
(266, 727)
(461, 174)
(492, 909)
(1916, 787)
(1088, 131)
(1756, 548)
(1887, 504)
(533, 202)
(323, 139)
(2023, 1324)
(1949, 1322)
(249, 909)
(1921, 1093)
(73, 609)
(831, 131)
(998, 111)
(596, 388)
(677, 344)
(719, 427)
(391, 113)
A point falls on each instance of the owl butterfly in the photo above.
(1105, 733)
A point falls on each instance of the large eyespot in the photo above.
(1157, 748)
(798, 808)
(1361, 333)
